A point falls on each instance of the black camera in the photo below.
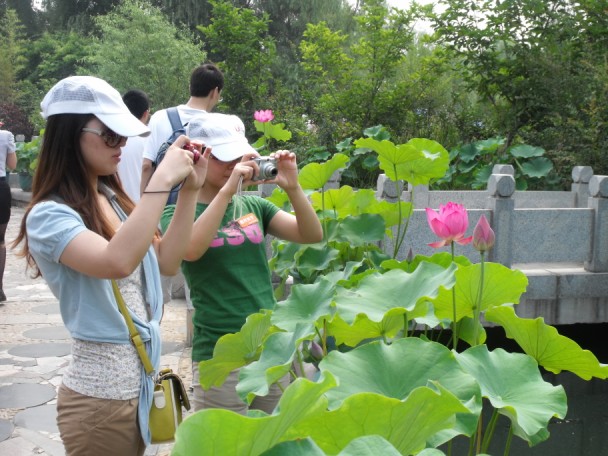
(268, 168)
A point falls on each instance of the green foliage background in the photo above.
(532, 72)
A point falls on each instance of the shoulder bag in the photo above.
(169, 392)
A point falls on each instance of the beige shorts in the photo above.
(94, 427)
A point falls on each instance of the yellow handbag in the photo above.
(166, 412)
(169, 392)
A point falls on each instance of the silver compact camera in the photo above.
(268, 168)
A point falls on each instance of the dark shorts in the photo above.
(5, 201)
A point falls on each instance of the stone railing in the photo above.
(559, 239)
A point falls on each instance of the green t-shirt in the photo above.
(232, 279)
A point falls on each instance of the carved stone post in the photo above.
(501, 188)
(581, 175)
(598, 201)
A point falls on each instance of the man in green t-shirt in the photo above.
(226, 267)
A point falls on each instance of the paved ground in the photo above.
(35, 350)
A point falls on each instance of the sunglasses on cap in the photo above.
(111, 138)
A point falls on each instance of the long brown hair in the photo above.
(62, 173)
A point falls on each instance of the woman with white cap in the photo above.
(80, 231)
(226, 267)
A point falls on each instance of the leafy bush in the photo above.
(27, 155)
(471, 166)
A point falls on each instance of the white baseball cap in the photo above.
(91, 95)
(224, 133)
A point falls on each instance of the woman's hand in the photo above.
(200, 157)
(175, 166)
(287, 176)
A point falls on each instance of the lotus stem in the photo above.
(487, 438)
(477, 309)
(454, 324)
(508, 443)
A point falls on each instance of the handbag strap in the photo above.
(133, 332)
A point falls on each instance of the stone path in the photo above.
(35, 350)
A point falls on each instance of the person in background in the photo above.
(226, 267)
(81, 232)
(8, 160)
(206, 84)
(129, 168)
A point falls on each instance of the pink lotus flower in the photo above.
(263, 116)
(450, 224)
(483, 236)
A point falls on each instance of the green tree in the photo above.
(139, 48)
(524, 57)
(26, 13)
(75, 14)
(11, 58)
(351, 88)
(239, 42)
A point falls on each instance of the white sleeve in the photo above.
(160, 129)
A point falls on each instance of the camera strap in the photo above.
(237, 208)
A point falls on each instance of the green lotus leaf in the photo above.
(278, 132)
(537, 167)
(514, 386)
(280, 199)
(336, 201)
(275, 361)
(306, 304)
(467, 167)
(468, 153)
(443, 259)
(233, 351)
(526, 151)
(432, 163)
(377, 132)
(435, 452)
(501, 285)
(315, 175)
(391, 157)
(406, 424)
(283, 256)
(356, 231)
(363, 328)
(213, 432)
(482, 175)
(543, 343)
(468, 328)
(392, 213)
(418, 161)
(398, 369)
(370, 445)
(395, 291)
(363, 201)
(490, 144)
(259, 143)
(300, 447)
(312, 258)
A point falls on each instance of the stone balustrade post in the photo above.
(419, 195)
(598, 201)
(387, 189)
(501, 188)
(581, 175)
(503, 169)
